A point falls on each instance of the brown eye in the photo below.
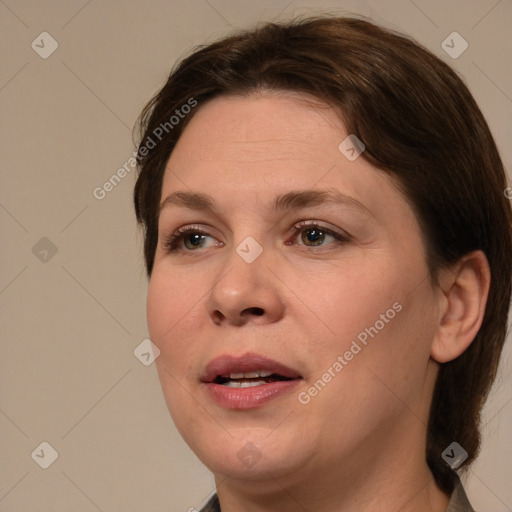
(194, 239)
(314, 235)
(186, 239)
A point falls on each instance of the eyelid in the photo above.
(337, 233)
(170, 241)
(176, 236)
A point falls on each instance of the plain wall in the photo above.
(71, 319)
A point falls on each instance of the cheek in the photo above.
(160, 309)
(350, 300)
(393, 363)
(170, 309)
(170, 301)
(376, 313)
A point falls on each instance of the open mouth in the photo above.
(249, 379)
(246, 371)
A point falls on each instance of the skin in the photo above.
(358, 444)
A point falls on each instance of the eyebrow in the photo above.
(292, 200)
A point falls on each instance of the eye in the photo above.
(312, 234)
(191, 237)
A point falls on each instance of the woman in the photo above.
(328, 245)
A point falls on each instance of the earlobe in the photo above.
(464, 291)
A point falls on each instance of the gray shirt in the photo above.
(458, 503)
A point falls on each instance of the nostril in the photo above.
(255, 311)
(218, 316)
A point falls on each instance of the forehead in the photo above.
(258, 128)
(244, 150)
(239, 140)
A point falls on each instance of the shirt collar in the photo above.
(459, 501)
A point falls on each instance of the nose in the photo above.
(245, 292)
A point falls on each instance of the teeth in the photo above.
(251, 384)
(250, 375)
(244, 384)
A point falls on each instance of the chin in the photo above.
(254, 454)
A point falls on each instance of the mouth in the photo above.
(247, 381)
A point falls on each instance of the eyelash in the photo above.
(306, 225)
(172, 241)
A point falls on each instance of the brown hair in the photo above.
(418, 122)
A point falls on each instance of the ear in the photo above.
(464, 289)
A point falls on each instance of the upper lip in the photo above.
(248, 362)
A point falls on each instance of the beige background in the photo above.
(70, 321)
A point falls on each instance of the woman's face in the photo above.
(342, 313)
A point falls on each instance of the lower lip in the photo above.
(248, 398)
